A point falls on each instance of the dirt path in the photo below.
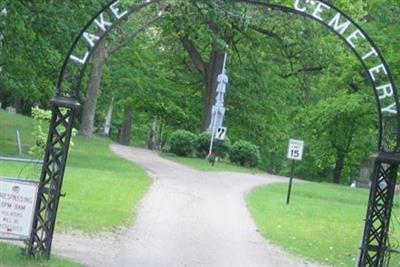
(188, 218)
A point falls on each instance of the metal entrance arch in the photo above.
(65, 104)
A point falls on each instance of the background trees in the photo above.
(37, 34)
(289, 77)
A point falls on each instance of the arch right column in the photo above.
(375, 242)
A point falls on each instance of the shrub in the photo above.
(41, 119)
(182, 143)
(220, 148)
(245, 154)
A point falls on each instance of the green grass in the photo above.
(102, 189)
(323, 222)
(10, 256)
(203, 165)
(9, 124)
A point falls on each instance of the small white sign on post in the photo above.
(295, 151)
(220, 134)
(17, 206)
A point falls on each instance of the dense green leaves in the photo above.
(183, 143)
(245, 153)
(37, 37)
(289, 76)
(220, 148)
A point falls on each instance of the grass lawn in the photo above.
(9, 124)
(323, 222)
(10, 256)
(102, 189)
(203, 165)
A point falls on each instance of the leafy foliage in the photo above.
(41, 119)
(37, 35)
(245, 153)
(182, 143)
(338, 128)
(221, 148)
(289, 77)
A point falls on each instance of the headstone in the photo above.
(3, 12)
(11, 110)
(364, 178)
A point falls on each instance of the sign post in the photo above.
(295, 153)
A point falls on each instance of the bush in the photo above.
(41, 119)
(220, 148)
(245, 154)
(182, 143)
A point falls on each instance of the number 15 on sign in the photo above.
(295, 151)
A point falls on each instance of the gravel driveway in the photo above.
(188, 218)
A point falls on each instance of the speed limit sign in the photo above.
(295, 151)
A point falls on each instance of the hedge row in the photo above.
(187, 144)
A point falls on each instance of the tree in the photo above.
(283, 69)
(337, 126)
(126, 132)
(93, 92)
(36, 38)
(205, 35)
(142, 76)
(121, 39)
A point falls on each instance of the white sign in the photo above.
(295, 150)
(220, 134)
(17, 205)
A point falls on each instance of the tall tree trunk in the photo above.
(107, 122)
(18, 104)
(213, 69)
(100, 58)
(210, 71)
(337, 173)
(1, 98)
(152, 140)
(125, 138)
(89, 108)
(162, 138)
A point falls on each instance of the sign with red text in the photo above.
(17, 205)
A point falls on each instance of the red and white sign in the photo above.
(17, 206)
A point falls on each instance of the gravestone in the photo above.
(364, 178)
(11, 110)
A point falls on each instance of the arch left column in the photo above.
(56, 152)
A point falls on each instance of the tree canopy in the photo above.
(289, 76)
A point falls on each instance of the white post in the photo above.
(212, 139)
(107, 123)
(19, 143)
